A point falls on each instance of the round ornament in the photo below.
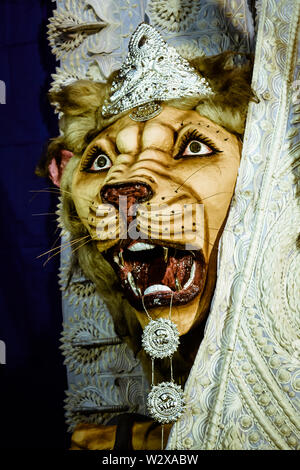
(165, 402)
(160, 338)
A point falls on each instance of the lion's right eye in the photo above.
(101, 163)
(96, 161)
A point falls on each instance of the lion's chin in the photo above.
(153, 275)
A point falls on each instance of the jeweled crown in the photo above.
(152, 72)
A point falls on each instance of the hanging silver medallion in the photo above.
(165, 402)
(160, 338)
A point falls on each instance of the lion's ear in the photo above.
(54, 160)
(79, 104)
(56, 166)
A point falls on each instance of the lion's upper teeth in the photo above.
(140, 246)
(156, 288)
(191, 278)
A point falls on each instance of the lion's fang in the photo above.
(121, 258)
(177, 283)
(132, 284)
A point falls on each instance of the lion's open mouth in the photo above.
(158, 273)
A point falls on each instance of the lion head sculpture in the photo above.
(145, 202)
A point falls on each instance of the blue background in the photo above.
(33, 381)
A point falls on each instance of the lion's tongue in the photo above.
(172, 273)
(175, 270)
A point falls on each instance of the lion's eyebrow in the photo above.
(91, 135)
(106, 144)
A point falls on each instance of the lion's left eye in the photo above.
(195, 147)
(194, 144)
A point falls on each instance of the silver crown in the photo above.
(152, 72)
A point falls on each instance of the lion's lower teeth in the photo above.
(156, 288)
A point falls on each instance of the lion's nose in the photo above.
(124, 195)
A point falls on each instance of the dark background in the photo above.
(33, 381)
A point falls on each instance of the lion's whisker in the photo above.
(56, 192)
(65, 244)
(77, 248)
(199, 169)
(191, 203)
(64, 248)
(56, 240)
(216, 194)
(59, 248)
(55, 213)
(69, 192)
(44, 213)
